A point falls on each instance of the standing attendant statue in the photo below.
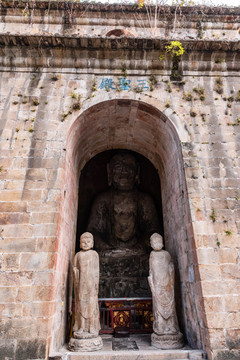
(86, 281)
(166, 334)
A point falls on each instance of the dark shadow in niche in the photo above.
(122, 276)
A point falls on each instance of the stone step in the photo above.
(134, 355)
(131, 355)
(145, 351)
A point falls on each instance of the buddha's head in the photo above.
(123, 171)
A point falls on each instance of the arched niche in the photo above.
(142, 128)
(126, 276)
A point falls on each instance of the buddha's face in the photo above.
(86, 241)
(123, 170)
(156, 242)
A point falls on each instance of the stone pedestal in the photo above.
(85, 342)
(167, 341)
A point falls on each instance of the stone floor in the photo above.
(145, 351)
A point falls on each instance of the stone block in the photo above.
(53, 195)
(48, 230)
(46, 244)
(37, 261)
(16, 174)
(223, 320)
(13, 245)
(18, 230)
(32, 195)
(207, 256)
(42, 293)
(10, 195)
(11, 310)
(229, 241)
(17, 218)
(217, 338)
(31, 349)
(10, 262)
(36, 174)
(8, 294)
(229, 256)
(18, 206)
(20, 163)
(231, 302)
(44, 217)
(7, 348)
(209, 272)
(10, 278)
(213, 304)
(42, 164)
(26, 328)
(40, 309)
(203, 227)
(220, 287)
(233, 339)
(226, 354)
(43, 278)
(230, 271)
(34, 206)
(24, 294)
(14, 185)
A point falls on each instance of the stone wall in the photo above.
(67, 94)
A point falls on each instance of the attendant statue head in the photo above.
(123, 171)
(86, 241)
(156, 242)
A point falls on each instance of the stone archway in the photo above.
(140, 127)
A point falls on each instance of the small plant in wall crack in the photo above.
(193, 113)
(94, 86)
(169, 89)
(124, 71)
(35, 102)
(64, 115)
(188, 96)
(152, 81)
(25, 11)
(167, 105)
(218, 243)
(75, 106)
(175, 50)
(228, 232)
(55, 77)
(238, 96)
(138, 89)
(219, 86)
(201, 92)
(73, 95)
(213, 215)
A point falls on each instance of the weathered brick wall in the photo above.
(58, 115)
